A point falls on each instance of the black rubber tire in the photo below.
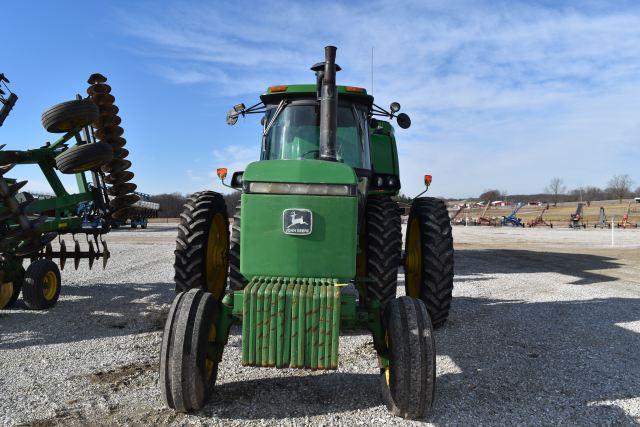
(436, 277)
(82, 158)
(33, 288)
(236, 279)
(183, 380)
(193, 235)
(411, 389)
(383, 243)
(69, 115)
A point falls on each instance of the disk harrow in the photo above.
(108, 130)
(30, 224)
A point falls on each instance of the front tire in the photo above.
(187, 375)
(409, 382)
(429, 257)
(41, 288)
(202, 245)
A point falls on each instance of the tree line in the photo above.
(171, 204)
(619, 187)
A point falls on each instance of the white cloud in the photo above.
(501, 95)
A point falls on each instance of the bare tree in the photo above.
(590, 194)
(555, 188)
(490, 196)
(620, 185)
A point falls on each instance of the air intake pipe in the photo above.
(328, 105)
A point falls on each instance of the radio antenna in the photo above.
(372, 70)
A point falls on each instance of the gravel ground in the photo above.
(544, 329)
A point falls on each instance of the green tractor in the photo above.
(315, 248)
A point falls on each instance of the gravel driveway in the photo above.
(545, 329)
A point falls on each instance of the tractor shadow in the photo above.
(88, 312)
(518, 361)
(284, 398)
(584, 267)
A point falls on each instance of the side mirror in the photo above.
(394, 107)
(403, 121)
(232, 117)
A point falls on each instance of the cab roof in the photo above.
(304, 90)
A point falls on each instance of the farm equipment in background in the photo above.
(577, 218)
(626, 223)
(539, 219)
(602, 219)
(483, 219)
(315, 248)
(512, 219)
(139, 213)
(457, 213)
(29, 225)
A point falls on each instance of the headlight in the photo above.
(379, 181)
(306, 189)
(391, 181)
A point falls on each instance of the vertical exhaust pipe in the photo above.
(328, 105)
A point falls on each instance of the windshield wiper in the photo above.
(275, 116)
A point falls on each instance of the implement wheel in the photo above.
(42, 283)
(383, 245)
(81, 158)
(429, 257)
(187, 372)
(202, 245)
(69, 115)
(408, 383)
(9, 293)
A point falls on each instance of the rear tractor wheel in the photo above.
(202, 245)
(429, 257)
(187, 370)
(408, 383)
(382, 244)
(42, 283)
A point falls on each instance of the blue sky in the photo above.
(502, 95)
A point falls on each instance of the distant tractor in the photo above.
(315, 249)
(577, 218)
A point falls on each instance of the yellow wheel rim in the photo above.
(210, 364)
(217, 255)
(6, 292)
(387, 369)
(49, 285)
(413, 273)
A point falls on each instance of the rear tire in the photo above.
(202, 245)
(383, 243)
(409, 383)
(237, 281)
(82, 158)
(429, 257)
(41, 288)
(187, 375)
(69, 115)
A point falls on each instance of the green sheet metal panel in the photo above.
(328, 251)
(384, 154)
(300, 171)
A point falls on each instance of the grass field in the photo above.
(560, 215)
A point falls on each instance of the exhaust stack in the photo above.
(326, 80)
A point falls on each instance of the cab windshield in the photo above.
(295, 133)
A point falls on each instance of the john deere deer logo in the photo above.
(297, 221)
